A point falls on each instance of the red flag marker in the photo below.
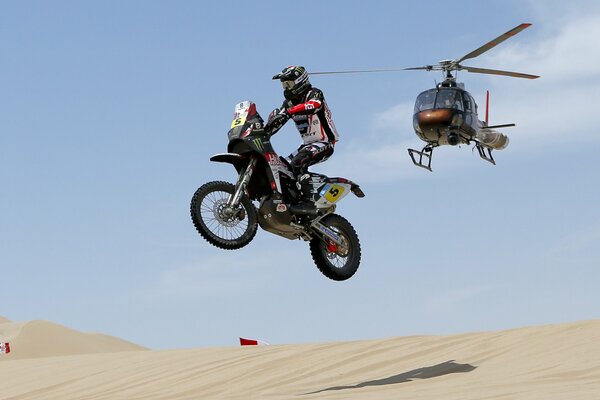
(251, 342)
(248, 342)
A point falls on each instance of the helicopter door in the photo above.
(469, 108)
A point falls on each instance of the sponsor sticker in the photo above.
(247, 132)
(329, 232)
(258, 143)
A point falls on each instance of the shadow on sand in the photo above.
(445, 368)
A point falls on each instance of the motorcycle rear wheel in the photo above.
(209, 215)
(337, 262)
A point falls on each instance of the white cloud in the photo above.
(576, 243)
(230, 273)
(395, 120)
(373, 164)
(215, 275)
(560, 105)
(381, 154)
(568, 53)
(454, 298)
(210, 276)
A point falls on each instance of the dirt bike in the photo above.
(226, 217)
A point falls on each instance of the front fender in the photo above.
(237, 160)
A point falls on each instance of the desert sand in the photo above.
(546, 362)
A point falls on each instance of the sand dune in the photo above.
(548, 362)
(35, 339)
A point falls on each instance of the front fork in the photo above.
(240, 187)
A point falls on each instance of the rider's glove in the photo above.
(277, 119)
(278, 116)
(280, 113)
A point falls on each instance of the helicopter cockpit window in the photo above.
(425, 101)
(467, 102)
(449, 99)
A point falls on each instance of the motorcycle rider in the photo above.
(306, 105)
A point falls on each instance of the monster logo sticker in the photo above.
(258, 143)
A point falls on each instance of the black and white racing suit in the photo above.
(313, 120)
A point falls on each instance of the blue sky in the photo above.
(110, 111)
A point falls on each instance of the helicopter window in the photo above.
(425, 101)
(467, 101)
(449, 99)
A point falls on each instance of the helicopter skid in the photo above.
(422, 158)
(423, 155)
(485, 152)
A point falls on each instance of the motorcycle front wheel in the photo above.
(337, 262)
(218, 224)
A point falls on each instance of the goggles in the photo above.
(288, 85)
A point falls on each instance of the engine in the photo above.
(274, 216)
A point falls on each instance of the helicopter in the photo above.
(447, 114)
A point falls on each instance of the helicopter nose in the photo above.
(434, 119)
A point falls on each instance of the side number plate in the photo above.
(333, 193)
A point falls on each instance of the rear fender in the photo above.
(335, 189)
(355, 188)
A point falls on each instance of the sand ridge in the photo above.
(547, 362)
(35, 339)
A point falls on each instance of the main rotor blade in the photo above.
(426, 68)
(498, 72)
(356, 71)
(493, 43)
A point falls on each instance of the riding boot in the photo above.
(306, 204)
